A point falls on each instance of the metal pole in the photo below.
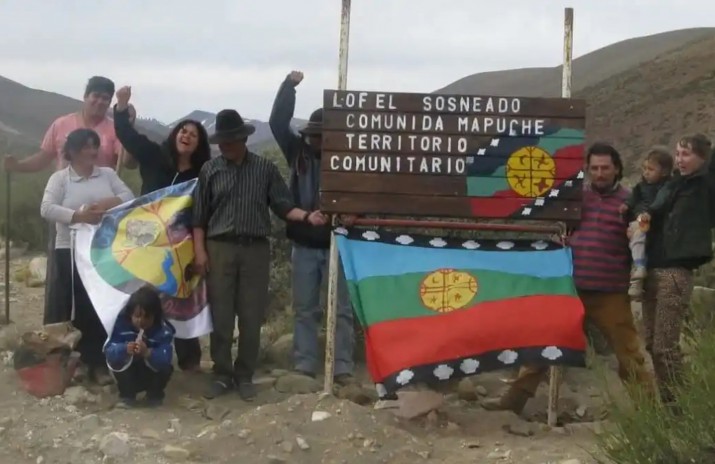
(555, 373)
(333, 264)
(7, 246)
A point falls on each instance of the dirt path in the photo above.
(82, 425)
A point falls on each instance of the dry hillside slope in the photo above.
(588, 70)
(655, 102)
(26, 113)
(644, 91)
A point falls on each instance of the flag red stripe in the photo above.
(496, 325)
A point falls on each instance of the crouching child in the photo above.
(140, 349)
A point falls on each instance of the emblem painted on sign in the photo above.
(531, 171)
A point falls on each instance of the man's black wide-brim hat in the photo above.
(230, 127)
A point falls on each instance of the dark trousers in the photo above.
(48, 314)
(85, 319)
(139, 377)
(237, 285)
(188, 352)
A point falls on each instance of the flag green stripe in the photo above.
(384, 298)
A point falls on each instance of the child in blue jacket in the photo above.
(140, 350)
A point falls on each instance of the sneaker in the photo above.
(247, 391)
(217, 388)
(639, 273)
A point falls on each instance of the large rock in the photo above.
(37, 272)
(115, 445)
(413, 404)
(176, 453)
(280, 353)
(297, 384)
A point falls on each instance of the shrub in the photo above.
(648, 432)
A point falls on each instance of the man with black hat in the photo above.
(231, 227)
(311, 244)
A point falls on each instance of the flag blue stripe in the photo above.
(363, 259)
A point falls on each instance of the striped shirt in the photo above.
(232, 200)
(602, 258)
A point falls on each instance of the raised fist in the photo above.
(123, 96)
(295, 77)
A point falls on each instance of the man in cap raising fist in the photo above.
(311, 244)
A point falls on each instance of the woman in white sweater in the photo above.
(80, 193)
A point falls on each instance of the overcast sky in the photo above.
(182, 55)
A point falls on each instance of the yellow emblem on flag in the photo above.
(446, 290)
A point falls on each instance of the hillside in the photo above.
(656, 102)
(640, 91)
(588, 70)
(26, 113)
(643, 91)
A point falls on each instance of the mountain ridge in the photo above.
(615, 80)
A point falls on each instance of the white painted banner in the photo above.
(146, 241)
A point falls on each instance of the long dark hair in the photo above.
(203, 149)
(149, 300)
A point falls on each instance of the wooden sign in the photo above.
(460, 156)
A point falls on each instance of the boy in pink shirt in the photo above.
(56, 135)
(97, 97)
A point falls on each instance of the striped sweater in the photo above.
(602, 259)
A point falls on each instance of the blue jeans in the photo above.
(310, 265)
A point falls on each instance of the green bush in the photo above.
(648, 432)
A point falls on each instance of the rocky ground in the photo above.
(289, 422)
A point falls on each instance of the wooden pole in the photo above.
(8, 203)
(333, 264)
(555, 372)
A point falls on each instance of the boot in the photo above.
(513, 400)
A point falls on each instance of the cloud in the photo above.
(180, 55)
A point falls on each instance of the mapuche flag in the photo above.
(439, 308)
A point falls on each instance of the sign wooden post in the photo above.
(555, 373)
(8, 205)
(333, 265)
